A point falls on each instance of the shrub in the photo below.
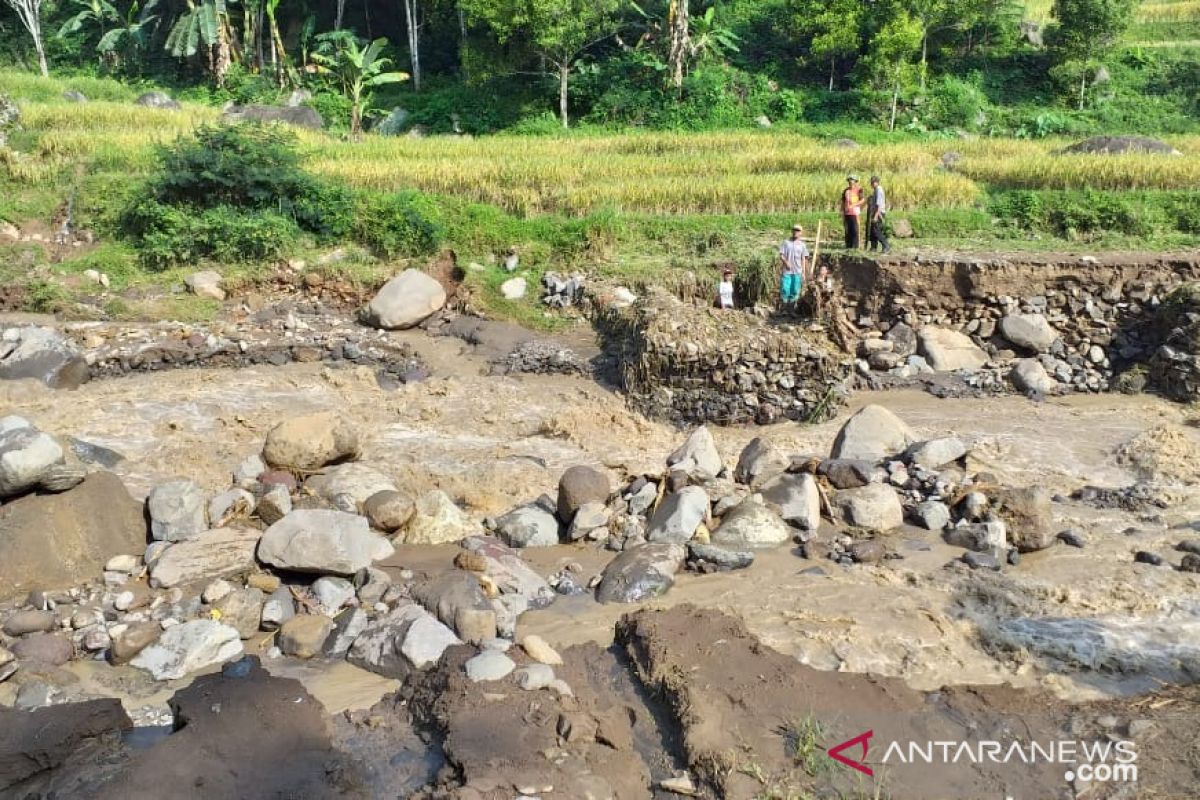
(171, 235)
(325, 209)
(956, 103)
(404, 223)
(250, 166)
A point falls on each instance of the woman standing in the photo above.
(852, 203)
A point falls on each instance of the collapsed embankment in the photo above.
(1041, 324)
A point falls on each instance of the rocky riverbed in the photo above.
(486, 585)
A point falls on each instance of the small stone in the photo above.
(1190, 563)
(131, 639)
(1146, 557)
(332, 593)
(216, 590)
(981, 561)
(123, 563)
(228, 505)
(304, 636)
(275, 505)
(278, 609)
(1072, 538)
(535, 676)
(45, 648)
(537, 649)
(933, 515)
(264, 581)
(389, 510)
(490, 665)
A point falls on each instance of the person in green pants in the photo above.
(794, 255)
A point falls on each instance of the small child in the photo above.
(725, 290)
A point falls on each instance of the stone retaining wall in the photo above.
(689, 363)
(1103, 310)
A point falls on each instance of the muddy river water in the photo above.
(1079, 622)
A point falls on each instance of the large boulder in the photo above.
(934, 454)
(1028, 515)
(875, 506)
(60, 540)
(300, 116)
(874, 433)
(178, 510)
(751, 524)
(310, 441)
(406, 300)
(28, 457)
(459, 601)
(698, 455)
(641, 573)
(528, 526)
(157, 100)
(189, 647)
(947, 351)
(436, 520)
(679, 515)
(1028, 331)
(322, 541)
(355, 481)
(760, 460)
(205, 284)
(1028, 375)
(578, 486)
(1107, 145)
(798, 499)
(408, 638)
(209, 555)
(41, 354)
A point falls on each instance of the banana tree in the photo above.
(96, 14)
(132, 32)
(205, 24)
(359, 70)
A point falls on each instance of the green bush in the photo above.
(400, 224)
(247, 166)
(1021, 208)
(232, 193)
(334, 108)
(172, 235)
(956, 103)
(326, 210)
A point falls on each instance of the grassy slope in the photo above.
(630, 207)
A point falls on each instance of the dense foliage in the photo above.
(1000, 67)
(238, 193)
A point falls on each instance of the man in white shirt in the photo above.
(725, 290)
(794, 255)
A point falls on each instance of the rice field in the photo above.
(643, 173)
(1168, 11)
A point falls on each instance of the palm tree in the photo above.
(360, 69)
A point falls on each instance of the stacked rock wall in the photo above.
(689, 363)
(1103, 310)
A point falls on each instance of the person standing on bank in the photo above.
(725, 289)
(877, 217)
(794, 255)
(852, 203)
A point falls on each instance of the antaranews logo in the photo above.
(1092, 761)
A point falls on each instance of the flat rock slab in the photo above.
(218, 553)
(35, 741)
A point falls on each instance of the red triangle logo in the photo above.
(863, 740)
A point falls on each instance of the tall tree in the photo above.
(558, 31)
(890, 55)
(835, 27)
(30, 12)
(1084, 29)
(412, 18)
(679, 28)
(359, 70)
